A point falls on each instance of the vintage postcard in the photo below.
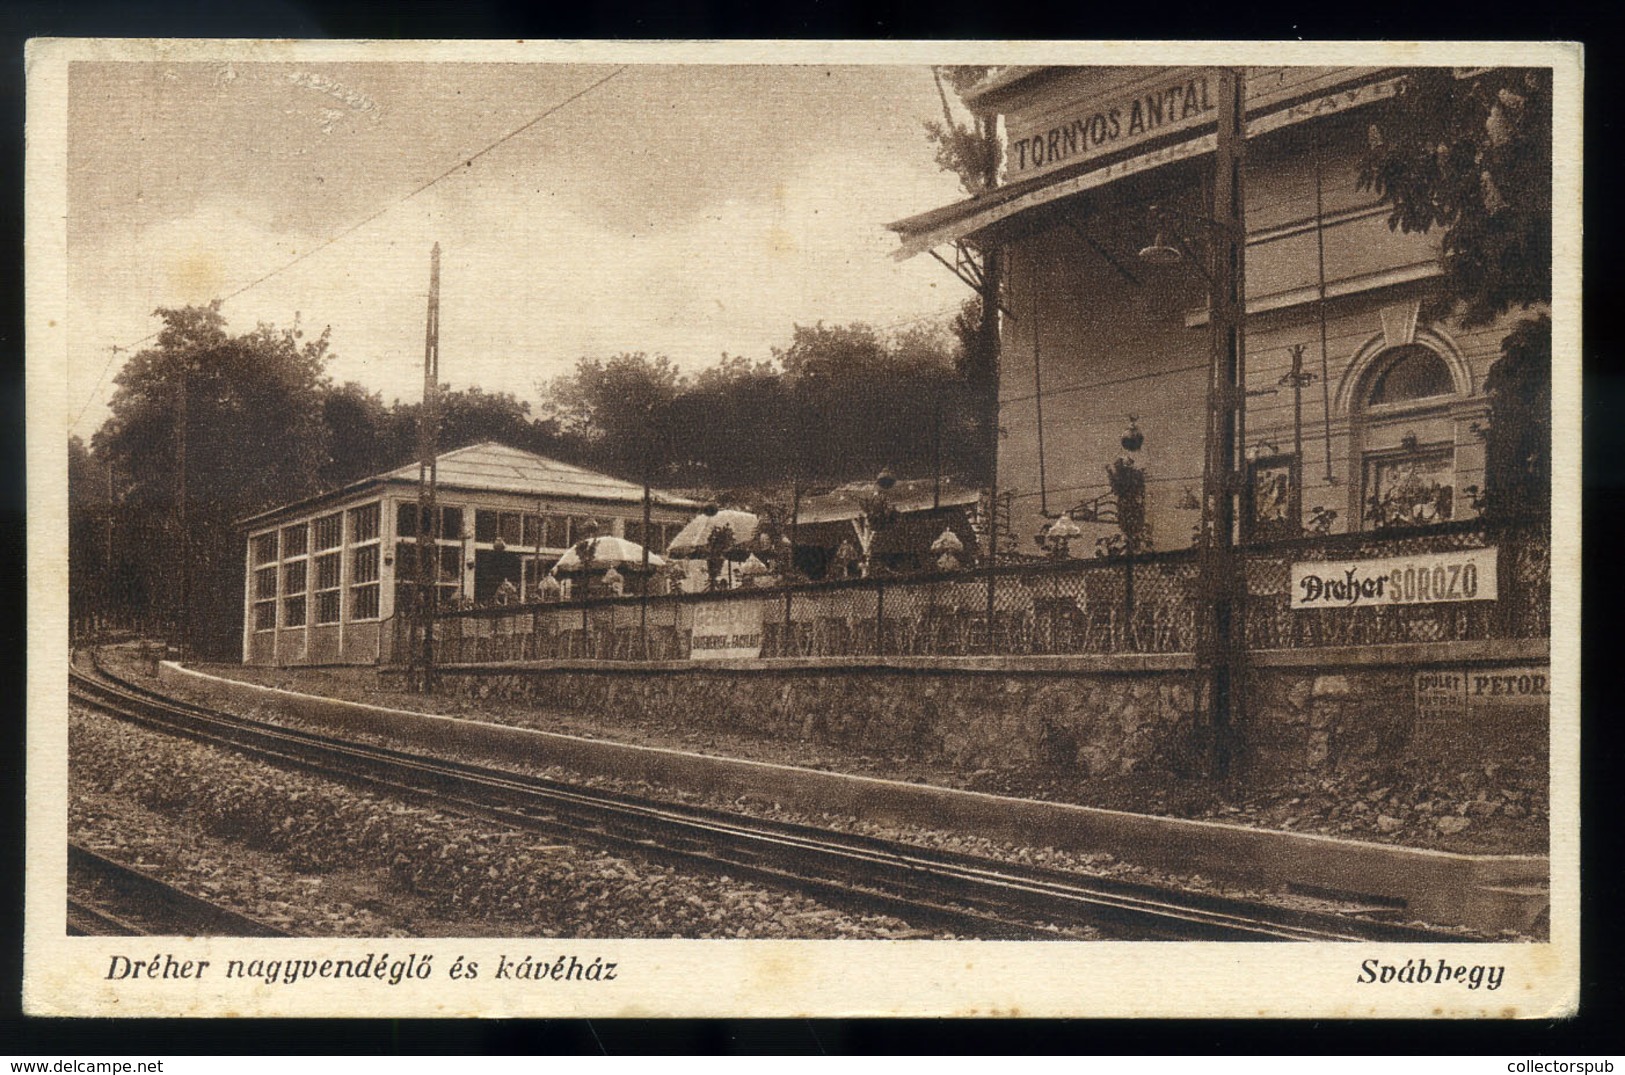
(781, 529)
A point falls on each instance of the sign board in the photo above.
(1421, 579)
(1497, 687)
(1132, 112)
(727, 629)
(1441, 694)
(1453, 692)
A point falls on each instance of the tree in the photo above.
(971, 151)
(90, 567)
(1473, 156)
(206, 428)
(615, 410)
(865, 402)
(1518, 442)
(361, 435)
(1470, 153)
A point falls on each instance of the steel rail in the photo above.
(963, 891)
(88, 920)
(141, 896)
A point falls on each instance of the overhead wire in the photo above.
(1053, 392)
(462, 163)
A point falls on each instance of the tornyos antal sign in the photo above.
(1417, 579)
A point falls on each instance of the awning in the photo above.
(912, 496)
(972, 216)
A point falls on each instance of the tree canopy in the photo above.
(1472, 155)
(839, 403)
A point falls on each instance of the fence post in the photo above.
(880, 618)
(788, 650)
(1129, 631)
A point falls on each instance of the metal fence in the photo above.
(1141, 604)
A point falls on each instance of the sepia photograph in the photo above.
(651, 529)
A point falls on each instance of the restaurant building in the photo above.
(1361, 410)
(327, 575)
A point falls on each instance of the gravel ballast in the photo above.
(320, 858)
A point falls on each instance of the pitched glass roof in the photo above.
(498, 468)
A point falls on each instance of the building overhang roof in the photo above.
(977, 216)
(846, 504)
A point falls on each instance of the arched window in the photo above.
(1408, 373)
(1408, 445)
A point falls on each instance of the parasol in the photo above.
(693, 542)
(605, 553)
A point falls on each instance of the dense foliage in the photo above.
(1470, 154)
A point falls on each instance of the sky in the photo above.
(680, 210)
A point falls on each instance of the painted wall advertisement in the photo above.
(727, 629)
(1420, 579)
(1453, 692)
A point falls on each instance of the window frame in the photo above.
(326, 592)
(318, 528)
(1385, 362)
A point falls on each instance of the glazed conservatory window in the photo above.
(363, 523)
(327, 588)
(364, 577)
(329, 531)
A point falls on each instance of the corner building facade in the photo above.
(1378, 428)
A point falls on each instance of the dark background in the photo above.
(1593, 1031)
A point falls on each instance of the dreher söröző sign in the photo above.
(1419, 579)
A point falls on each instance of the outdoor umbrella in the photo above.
(606, 552)
(693, 542)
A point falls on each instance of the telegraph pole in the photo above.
(1221, 641)
(428, 517)
(643, 603)
(183, 612)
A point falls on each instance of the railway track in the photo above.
(962, 893)
(111, 899)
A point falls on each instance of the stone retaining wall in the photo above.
(1310, 711)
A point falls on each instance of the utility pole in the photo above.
(428, 517)
(183, 612)
(643, 602)
(107, 553)
(1221, 639)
